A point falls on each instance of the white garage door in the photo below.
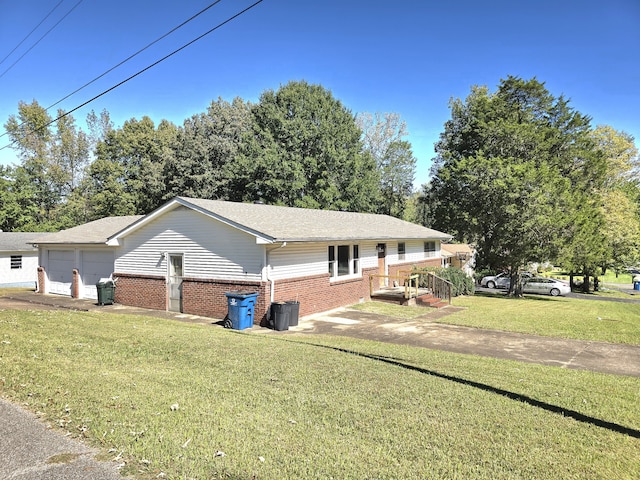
(96, 264)
(60, 271)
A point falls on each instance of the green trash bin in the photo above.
(106, 292)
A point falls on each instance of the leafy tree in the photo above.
(139, 152)
(517, 175)
(205, 148)
(305, 151)
(382, 137)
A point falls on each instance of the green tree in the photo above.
(383, 138)
(139, 152)
(205, 148)
(517, 175)
(397, 168)
(305, 151)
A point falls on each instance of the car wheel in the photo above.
(554, 292)
(491, 284)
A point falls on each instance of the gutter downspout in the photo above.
(268, 268)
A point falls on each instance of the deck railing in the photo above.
(409, 281)
(439, 287)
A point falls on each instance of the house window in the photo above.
(16, 262)
(401, 250)
(343, 260)
(356, 259)
(429, 249)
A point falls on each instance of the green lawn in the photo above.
(296, 406)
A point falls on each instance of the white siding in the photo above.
(296, 260)
(27, 275)
(414, 252)
(211, 249)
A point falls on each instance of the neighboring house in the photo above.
(186, 254)
(459, 255)
(18, 259)
(72, 261)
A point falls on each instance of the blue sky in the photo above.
(403, 56)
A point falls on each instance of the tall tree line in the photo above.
(297, 146)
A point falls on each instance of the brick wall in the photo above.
(317, 293)
(42, 278)
(75, 284)
(141, 291)
(207, 297)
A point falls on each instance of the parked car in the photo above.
(545, 286)
(502, 280)
(491, 281)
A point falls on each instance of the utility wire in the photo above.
(29, 34)
(126, 59)
(146, 68)
(41, 38)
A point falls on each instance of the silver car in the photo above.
(545, 286)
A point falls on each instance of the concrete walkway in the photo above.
(30, 451)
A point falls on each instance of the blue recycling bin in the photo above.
(240, 309)
(636, 286)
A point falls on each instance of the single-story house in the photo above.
(72, 261)
(185, 255)
(459, 255)
(18, 259)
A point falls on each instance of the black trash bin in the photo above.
(294, 312)
(106, 292)
(280, 313)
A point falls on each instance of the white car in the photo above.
(491, 281)
(502, 280)
(545, 286)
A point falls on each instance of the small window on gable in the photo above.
(429, 249)
(16, 262)
(401, 250)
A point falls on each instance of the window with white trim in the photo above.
(401, 250)
(16, 262)
(429, 249)
(343, 260)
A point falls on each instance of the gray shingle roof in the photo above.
(96, 232)
(19, 241)
(283, 224)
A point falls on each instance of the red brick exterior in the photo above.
(318, 294)
(42, 278)
(148, 291)
(207, 297)
(75, 284)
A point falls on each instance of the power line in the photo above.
(127, 59)
(146, 68)
(135, 54)
(40, 39)
(29, 34)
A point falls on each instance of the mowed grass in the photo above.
(183, 401)
(575, 318)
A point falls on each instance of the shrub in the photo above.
(462, 283)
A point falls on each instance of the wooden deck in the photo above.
(396, 295)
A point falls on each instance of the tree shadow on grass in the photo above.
(580, 417)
